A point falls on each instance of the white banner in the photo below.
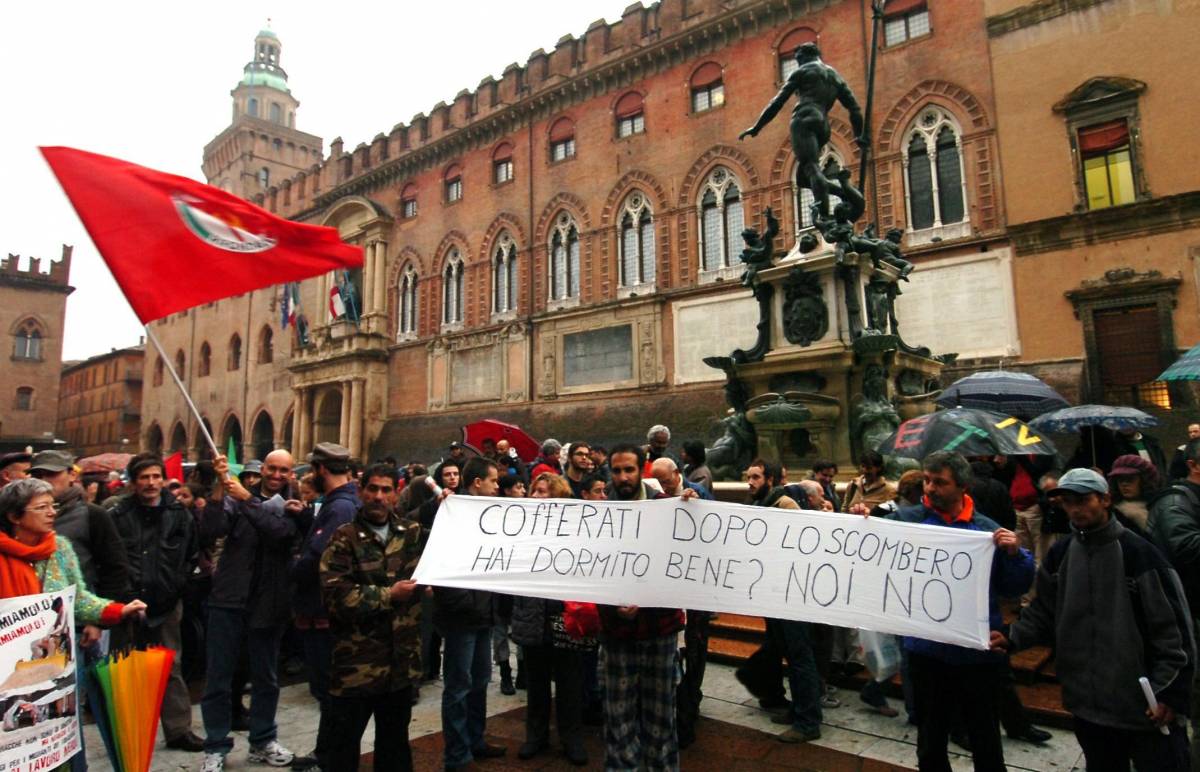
(838, 569)
(39, 721)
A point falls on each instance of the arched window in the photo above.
(631, 115)
(276, 113)
(502, 163)
(935, 192)
(180, 361)
(721, 221)
(708, 87)
(235, 352)
(24, 398)
(264, 177)
(562, 140)
(637, 241)
(253, 109)
(452, 288)
(453, 183)
(28, 341)
(803, 198)
(787, 49)
(204, 365)
(408, 302)
(408, 201)
(158, 371)
(504, 275)
(564, 258)
(266, 345)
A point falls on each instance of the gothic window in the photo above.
(28, 341)
(24, 398)
(562, 140)
(504, 275)
(266, 345)
(235, 352)
(637, 242)
(708, 87)
(452, 288)
(180, 361)
(721, 221)
(564, 258)
(803, 198)
(408, 301)
(631, 115)
(936, 194)
(204, 366)
(158, 371)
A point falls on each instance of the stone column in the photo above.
(367, 290)
(302, 425)
(380, 278)
(356, 419)
(344, 426)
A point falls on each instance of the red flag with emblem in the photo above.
(173, 243)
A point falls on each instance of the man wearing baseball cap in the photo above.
(1114, 611)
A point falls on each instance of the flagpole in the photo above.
(182, 389)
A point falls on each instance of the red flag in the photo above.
(174, 243)
(173, 466)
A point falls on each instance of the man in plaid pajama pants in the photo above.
(640, 658)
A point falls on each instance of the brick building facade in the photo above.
(33, 305)
(100, 402)
(559, 247)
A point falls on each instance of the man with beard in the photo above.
(639, 662)
(579, 466)
(374, 609)
(339, 504)
(161, 545)
(249, 604)
(953, 682)
(465, 619)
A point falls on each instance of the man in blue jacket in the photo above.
(339, 505)
(952, 683)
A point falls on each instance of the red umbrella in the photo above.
(490, 429)
(105, 462)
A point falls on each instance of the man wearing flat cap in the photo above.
(339, 505)
(14, 466)
(1114, 611)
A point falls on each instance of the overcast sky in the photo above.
(149, 82)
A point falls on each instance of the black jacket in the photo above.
(254, 570)
(97, 544)
(161, 545)
(338, 507)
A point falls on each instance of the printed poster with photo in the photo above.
(39, 722)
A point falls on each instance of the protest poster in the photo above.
(838, 569)
(39, 721)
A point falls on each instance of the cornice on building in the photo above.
(1035, 13)
(1143, 218)
(71, 367)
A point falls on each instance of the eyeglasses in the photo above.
(41, 508)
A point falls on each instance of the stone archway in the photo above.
(232, 431)
(327, 419)
(289, 425)
(178, 438)
(262, 435)
(201, 444)
(154, 439)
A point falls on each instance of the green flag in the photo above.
(234, 467)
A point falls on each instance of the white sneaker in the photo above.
(272, 754)
(213, 762)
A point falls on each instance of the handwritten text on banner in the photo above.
(838, 569)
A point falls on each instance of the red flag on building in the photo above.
(174, 243)
(174, 466)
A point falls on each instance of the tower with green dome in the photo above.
(261, 147)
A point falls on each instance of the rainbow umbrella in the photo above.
(120, 685)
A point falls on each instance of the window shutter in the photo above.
(795, 39)
(706, 75)
(894, 7)
(1128, 341)
(629, 105)
(453, 173)
(503, 152)
(562, 130)
(1104, 137)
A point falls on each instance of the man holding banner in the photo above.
(952, 682)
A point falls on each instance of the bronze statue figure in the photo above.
(816, 86)
(760, 250)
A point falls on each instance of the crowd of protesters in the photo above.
(1101, 562)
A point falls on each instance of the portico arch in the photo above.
(327, 418)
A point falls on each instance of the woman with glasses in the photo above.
(34, 560)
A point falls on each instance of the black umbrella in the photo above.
(967, 431)
(1008, 392)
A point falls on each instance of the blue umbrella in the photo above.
(1008, 392)
(1072, 419)
(1186, 368)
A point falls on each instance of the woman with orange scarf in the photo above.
(34, 560)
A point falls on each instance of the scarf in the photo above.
(16, 565)
(968, 510)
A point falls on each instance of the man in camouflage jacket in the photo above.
(374, 613)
